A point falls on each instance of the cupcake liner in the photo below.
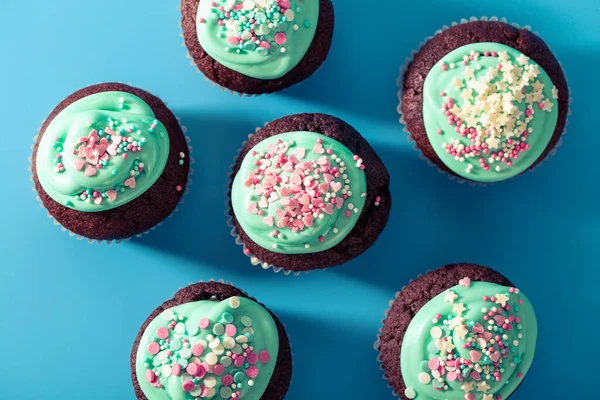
(400, 84)
(116, 241)
(253, 259)
(377, 343)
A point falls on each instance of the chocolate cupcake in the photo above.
(307, 192)
(257, 46)
(211, 341)
(484, 100)
(462, 332)
(110, 162)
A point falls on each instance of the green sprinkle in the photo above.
(307, 23)
(181, 162)
(69, 203)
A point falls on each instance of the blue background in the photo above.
(70, 310)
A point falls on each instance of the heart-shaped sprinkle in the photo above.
(477, 328)
(335, 186)
(495, 356)
(273, 197)
(475, 355)
(98, 200)
(78, 163)
(339, 202)
(465, 282)
(252, 208)
(269, 220)
(90, 171)
(263, 202)
(300, 152)
(130, 182)
(328, 178)
(318, 149)
(112, 149)
(111, 194)
(328, 209)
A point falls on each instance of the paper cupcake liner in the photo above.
(116, 241)
(254, 260)
(400, 84)
(377, 344)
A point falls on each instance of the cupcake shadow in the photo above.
(198, 232)
(319, 343)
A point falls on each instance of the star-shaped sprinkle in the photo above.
(534, 70)
(507, 67)
(450, 297)
(483, 387)
(503, 56)
(461, 331)
(501, 299)
(467, 387)
(458, 308)
(538, 96)
(537, 85)
(466, 95)
(469, 73)
(554, 92)
(523, 59)
(501, 86)
(493, 142)
(518, 96)
(447, 345)
(457, 82)
(548, 105)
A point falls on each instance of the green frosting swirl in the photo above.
(299, 192)
(474, 341)
(263, 39)
(503, 105)
(101, 152)
(208, 349)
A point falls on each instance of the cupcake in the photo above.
(307, 192)
(110, 162)
(462, 332)
(260, 46)
(211, 341)
(484, 100)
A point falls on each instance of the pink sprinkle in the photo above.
(252, 372)
(150, 376)
(265, 45)
(230, 330)
(193, 369)
(188, 386)
(204, 323)
(520, 374)
(440, 131)
(176, 369)
(162, 333)
(125, 156)
(227, 380)
(233, 40)
(178, 188)
(444, 67)
(280, 38)
(264, 356)
(247, 252)
(252, 358)
(219, 369)
(153, 348)
(239, 361)
(202, 20)
(197, 350)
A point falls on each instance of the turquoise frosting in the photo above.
(263, 39)
(503, 101)
(299, 192)
(462, 323)
(208, 349)
(101, 152)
